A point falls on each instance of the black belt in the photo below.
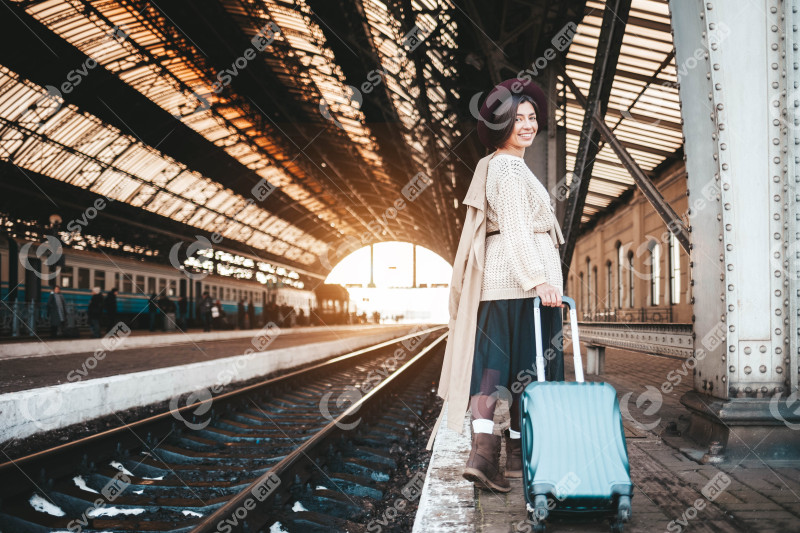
(495, 232)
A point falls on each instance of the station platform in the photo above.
(41, 393)
(62, 361)
(669, 478)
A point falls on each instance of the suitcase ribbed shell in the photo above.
(574, 445)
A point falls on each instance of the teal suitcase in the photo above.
(575, 460)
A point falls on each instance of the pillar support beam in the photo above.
(738, 74)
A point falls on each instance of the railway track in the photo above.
(307, 451)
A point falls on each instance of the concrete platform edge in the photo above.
(447, 503)
(25, 413)
(49, 347)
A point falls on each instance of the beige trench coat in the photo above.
(465, 295)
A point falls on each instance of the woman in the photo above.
(507, 255)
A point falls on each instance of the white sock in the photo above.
(513, 434)
(482, 425)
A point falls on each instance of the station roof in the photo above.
(303, 129)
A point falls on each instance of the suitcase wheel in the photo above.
(623, 514)
(539, 513)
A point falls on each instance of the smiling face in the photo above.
(525, 128)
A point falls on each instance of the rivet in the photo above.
(762, 349)
(732, 368)
(747, 370)
(779, 369)
(748, 350)
(763, 368)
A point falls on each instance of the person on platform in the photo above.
(204, 310)
(95, 312)
(507, 255)
(152, 310)
(240, 314)
(166, 310)
(110, 306)
(57, 311)
(183, 317)
(251, 314)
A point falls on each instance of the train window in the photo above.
(100, 279)
(214, 291)
(127, 283)
(83, 278)
(172, 287)
(66, 277)
(151, 285)
(140, 284)
(162, 286)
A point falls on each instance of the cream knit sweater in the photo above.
(523, 255)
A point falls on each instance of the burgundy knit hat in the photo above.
(499, 96)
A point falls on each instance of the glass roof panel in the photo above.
(644, 109)
(69, 146)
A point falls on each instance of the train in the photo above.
(27, 276)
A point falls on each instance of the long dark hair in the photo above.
(502, 125)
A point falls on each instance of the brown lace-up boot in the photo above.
(483, 465)
(513, 456)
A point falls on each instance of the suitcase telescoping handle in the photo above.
(576, 343)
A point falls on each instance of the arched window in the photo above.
(588, 305)
(620, 262)
(631, 293)
(609, 284)
(655, 272)
(595, 308)
(674, 270)
(582, 304)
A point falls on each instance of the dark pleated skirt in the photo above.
(505, 345)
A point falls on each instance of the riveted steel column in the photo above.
(740, 158)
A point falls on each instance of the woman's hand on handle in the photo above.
(549, 295)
